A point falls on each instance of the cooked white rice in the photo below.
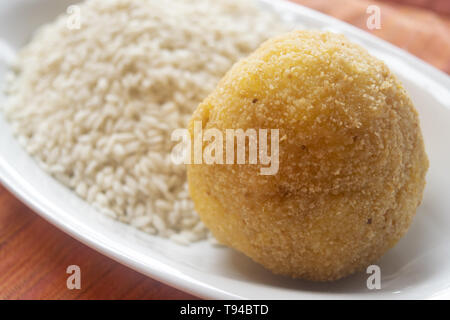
(96, 106)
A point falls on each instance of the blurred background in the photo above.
(421, 27)
(34, 254)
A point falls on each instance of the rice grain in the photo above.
(96, 106)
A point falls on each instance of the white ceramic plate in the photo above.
(418, 267)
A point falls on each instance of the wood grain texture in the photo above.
(34, 254)
(422, 32)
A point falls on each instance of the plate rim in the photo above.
(12, 180)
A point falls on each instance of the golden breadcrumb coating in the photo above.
(352, 163)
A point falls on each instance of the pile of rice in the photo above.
(96, 106)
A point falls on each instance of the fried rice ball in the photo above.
(352, 163)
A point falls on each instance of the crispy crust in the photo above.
(352, 160)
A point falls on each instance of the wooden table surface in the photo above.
(34, 254)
